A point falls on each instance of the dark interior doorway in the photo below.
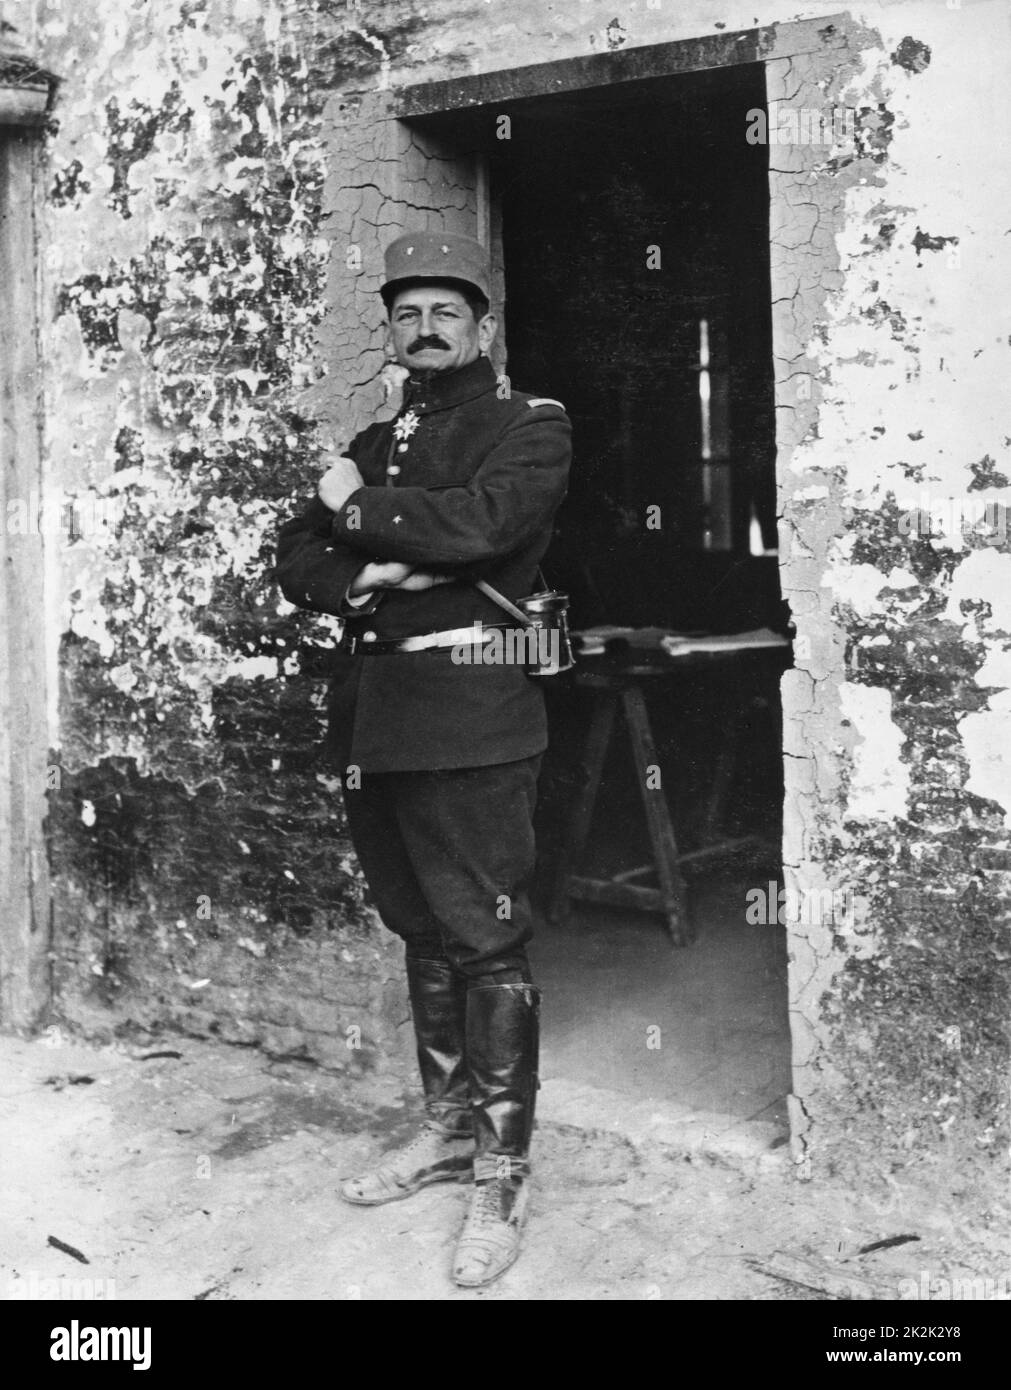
(635, 237)
(631, 223)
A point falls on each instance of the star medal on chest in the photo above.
(402, 430)
(406, 425)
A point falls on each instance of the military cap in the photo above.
(441, 256)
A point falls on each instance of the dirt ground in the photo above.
(212, 1174)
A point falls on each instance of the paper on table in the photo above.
(730, 642)
(592, 641)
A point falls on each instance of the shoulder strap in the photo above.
(503, 602)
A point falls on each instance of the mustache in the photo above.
(432, 341)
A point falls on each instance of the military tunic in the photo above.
(466, 481)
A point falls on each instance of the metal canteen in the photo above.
(548, 611)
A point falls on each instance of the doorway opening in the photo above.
(628, 225)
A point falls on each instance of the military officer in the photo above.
(441, 756)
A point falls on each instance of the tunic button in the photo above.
(393, 469)
(368, 636)
(401, 448)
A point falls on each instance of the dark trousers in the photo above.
(448, 856)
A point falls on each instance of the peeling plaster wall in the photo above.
(891, 354)
(203, 876)
(383, 176)
(222, 173)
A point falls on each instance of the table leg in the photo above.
(598, 740)
(658, 819)
(723, 775)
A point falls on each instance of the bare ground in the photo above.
(212, 1175)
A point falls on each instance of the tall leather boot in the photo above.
(502, 1051)
(443, 1148)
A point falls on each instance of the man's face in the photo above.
(433, 329)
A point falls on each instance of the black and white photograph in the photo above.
(505, 755)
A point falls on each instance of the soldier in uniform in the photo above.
(440, 755)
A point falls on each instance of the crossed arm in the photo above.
(317, 573)
(356, 541)
(510, 498)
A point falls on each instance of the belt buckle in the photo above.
(350, 642)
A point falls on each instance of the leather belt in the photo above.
(361, 644)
